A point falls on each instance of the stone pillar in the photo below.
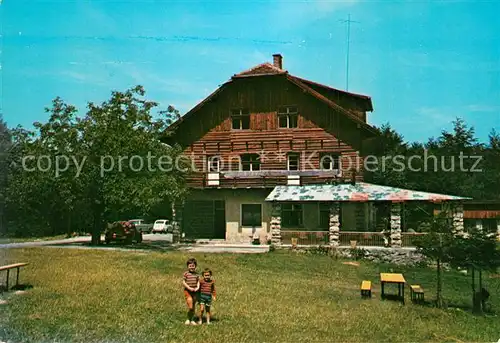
(334, 224)
(276, 224)
(498, 230)
(479, 224)
(396, 225)
(458, 219)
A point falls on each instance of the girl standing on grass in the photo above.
(191, 283)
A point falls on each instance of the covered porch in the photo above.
(339, 227)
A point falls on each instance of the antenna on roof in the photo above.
(348, 22)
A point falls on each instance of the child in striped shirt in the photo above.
(191, 283)
(207, 294)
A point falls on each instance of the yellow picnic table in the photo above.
(393, 278)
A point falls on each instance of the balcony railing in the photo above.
(261, 178)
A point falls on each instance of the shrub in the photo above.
(358, 253)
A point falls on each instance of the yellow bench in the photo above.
(416, 293)
(366, 288)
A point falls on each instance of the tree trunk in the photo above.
(480, 301)
(68, 228)
(97, 225)
(439, 298)
(96, 230)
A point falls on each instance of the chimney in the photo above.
(278, 61)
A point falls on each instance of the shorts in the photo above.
(206, 299)
(191, 295)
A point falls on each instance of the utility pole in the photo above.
(348, 22)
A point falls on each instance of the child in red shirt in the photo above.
(207, 294)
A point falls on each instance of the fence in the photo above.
(367, 239)
(305, 237)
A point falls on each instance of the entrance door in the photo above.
(219, 219)
(204, 219)
(198, 219)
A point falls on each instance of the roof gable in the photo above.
(261, 69)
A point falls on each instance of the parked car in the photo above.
(162, 226)
(141, 225)
(123, 231)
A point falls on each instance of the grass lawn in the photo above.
(111, 296)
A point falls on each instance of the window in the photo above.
(291, 215)
(241, 119)
(293, 161)
(324, 215)
(251, 215)
(329, 161)
(250, 162)
(288, 117)
(214, 164)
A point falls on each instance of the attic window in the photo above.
(240, 119)
(288, 117)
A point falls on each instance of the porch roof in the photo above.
(360, 191)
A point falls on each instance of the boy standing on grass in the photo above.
(207, 294)
(191, 283)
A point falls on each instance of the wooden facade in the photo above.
(476, 209)
(320, 129)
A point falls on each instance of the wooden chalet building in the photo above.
(264, 129)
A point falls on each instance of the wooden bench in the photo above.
(366, 289)
(416, 293)
(12, 266)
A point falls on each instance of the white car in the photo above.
(162, 226)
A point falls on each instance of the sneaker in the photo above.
(208, 322)
(200, 322)
(193, 322)
(187, 322)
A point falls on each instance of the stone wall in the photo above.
(397, 256)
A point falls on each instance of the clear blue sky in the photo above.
(423, 63)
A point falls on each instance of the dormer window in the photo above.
(288, 117)
(240, 119)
